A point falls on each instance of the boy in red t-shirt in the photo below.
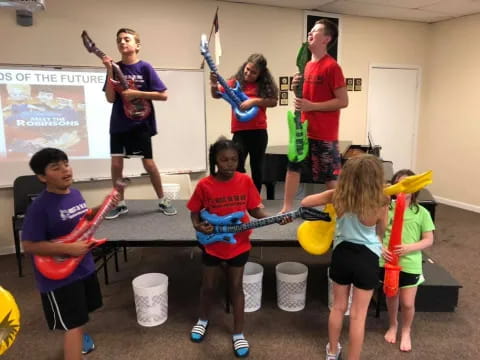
(324, 94)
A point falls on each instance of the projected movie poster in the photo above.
(38, 116)
(51, 108)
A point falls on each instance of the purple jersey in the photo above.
(146, 79)
(50, 216)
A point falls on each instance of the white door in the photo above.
(392, 113)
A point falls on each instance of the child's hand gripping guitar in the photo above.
(56, 267)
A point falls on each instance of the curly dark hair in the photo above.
(222, 143)
(267, 88)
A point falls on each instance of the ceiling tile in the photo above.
(296, 4)
(363, 9)
(455, 8)
(408, 4)
(413, 10)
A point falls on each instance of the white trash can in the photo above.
(291, 285)
(330, 294)
(151, 298)
(171, 191)
(252, 286)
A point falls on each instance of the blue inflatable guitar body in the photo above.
(227, 226)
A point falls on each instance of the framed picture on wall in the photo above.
(310, 17)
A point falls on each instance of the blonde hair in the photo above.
(360, 187)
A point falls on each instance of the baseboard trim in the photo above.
(7, 250)
(458, 204)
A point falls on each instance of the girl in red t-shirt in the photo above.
(258, 84)
(223, 192)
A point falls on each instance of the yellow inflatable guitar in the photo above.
(9, 320)
(315, 237)
(411, 184)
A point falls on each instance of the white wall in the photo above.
(450, 122)
(170, 33)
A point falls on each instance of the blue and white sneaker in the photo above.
(116, 212)
(88, 345)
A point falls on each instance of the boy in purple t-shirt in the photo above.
(55, 213)
(130, 135)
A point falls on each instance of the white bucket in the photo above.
(151, 298)
(330, 294)
(171, 191)
(291, 285)
(252, 286)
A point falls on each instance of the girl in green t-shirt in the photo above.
(417, 234)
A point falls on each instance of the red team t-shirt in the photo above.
(223, 198)
(321, 78)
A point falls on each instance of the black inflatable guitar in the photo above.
(137, 109)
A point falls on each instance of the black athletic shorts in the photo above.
(237, 261)
(323, 161)
(67, 307)
(405, 280)
(354, 264)
(134, 143)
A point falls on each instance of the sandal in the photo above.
(239, 347)
(198, 332)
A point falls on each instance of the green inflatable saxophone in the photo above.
(298, 141)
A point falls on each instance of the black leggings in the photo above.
(253, 143)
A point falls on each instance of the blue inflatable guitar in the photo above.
(233, 96)
(227, 226)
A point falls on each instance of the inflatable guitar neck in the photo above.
(57, 267)
(137, 109)
(392, 268)
(233, 96)
(227, 226)
(298, 141)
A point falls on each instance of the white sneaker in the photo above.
(330, 356)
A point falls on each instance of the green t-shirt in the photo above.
(414, 225)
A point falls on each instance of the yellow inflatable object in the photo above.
(410, 184)
(316, 237)
(9, 320)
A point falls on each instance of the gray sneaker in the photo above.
(167, 208)
(116, 212)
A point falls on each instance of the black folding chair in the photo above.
(25, 189)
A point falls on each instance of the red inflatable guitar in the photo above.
(137, 109)
(392, 269)
(59, 267)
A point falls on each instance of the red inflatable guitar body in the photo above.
(60, 267)
(392, 269)
(137, 109)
